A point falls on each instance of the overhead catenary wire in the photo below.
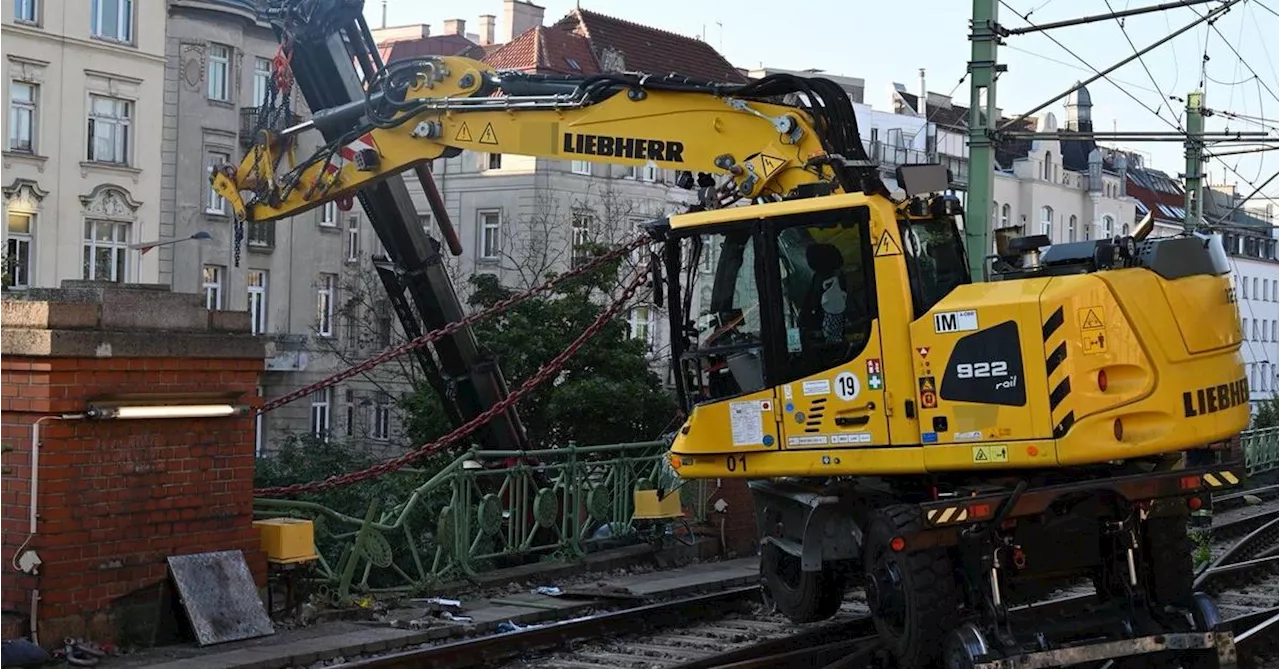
(1143, 63)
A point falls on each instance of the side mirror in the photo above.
(655, 278)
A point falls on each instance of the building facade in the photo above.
(299, 278)
(82, 175)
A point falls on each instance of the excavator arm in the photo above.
(417, 110)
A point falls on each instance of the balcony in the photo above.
(249, 123)
(890, 157)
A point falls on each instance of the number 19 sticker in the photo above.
(847, 386)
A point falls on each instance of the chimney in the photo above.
(384, 14)
(487, 22)
(924, 95)
(455, 27)
(519, 16)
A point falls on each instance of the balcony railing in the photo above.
(890, 157)
(249, 123)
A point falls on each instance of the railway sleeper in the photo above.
(942, 562)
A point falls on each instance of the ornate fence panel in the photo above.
(1261, 450)
(487, 510)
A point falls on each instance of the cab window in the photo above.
(825, 275)
(936, 261)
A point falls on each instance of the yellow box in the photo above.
(649, 507)
(287, 540)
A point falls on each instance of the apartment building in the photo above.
(297, 277)
(1066, 189)
(82, 175)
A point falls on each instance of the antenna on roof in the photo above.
(384, 14)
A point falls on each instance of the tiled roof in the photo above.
(954, 116)
(545, 51)
(1148, 186)
(435, 45)
(650, 50)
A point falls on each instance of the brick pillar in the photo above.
(117, 497)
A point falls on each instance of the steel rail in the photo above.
(1240, 552)
(1247, 523)
(835, 640)
(487, 649)
(1237, 499)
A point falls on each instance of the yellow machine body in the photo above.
(1094, 367)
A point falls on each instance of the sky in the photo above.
(889, 42)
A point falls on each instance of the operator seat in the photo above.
(825, 302)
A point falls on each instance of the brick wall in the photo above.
(738, 517)
(117, 497)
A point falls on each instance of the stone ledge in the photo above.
(93, 305)
(106, 344)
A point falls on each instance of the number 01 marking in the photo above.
(736, 462)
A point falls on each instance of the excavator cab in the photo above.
(780, 314)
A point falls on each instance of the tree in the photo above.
(1266, 415)
(606, 393)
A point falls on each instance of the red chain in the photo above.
(422, 340)
(544, 372)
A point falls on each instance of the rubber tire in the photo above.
(1169, 560)
(932, 599)
(816, 597)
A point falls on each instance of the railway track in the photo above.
(734, 630)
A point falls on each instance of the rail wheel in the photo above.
(1169, 560)
(966, 647)
(802, 596)
(913, 596)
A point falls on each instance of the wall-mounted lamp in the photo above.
(161, 411)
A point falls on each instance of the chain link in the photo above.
(434, 335)
(546, 371)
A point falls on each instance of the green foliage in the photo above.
(1266, 415)
(606, 393)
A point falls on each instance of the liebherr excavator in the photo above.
(954, 447)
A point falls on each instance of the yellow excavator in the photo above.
(956, 448)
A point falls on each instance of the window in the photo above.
(25, 11)
(1124, 230)
(1254, 322)
(261, 79)
(649, 173)
(109, 129)
(1275, 330)
(640, 320)
(995, 214)
(580, 167)
(1256, 294)
(261, 233)
(1108, 227)
(112, 19)
(1264, 378)
(353, 238)
(1046, 222)
(494, 161)
(18, 258)
(216, 204)
(1048, 166)
(489, 235)
(823, 269)
(324, 304)
(382, 322)
(22, 117)
(320, 413)
(381, 420)
(329, 214)
(106, 245)
(733, 306)
(582, 238)
(1244, 289)
(257, 280)
(1275, 285)
(219, 72)
(1071, 228)
(351, 413)
(213, 287)
(1004, 215)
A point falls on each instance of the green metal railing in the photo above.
(1261, 450)
(467, 519)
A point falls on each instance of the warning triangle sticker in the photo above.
(771, 164)
(464, 133)
(886, 246)
(1091, 321)
(979, 455)
(487, 137)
